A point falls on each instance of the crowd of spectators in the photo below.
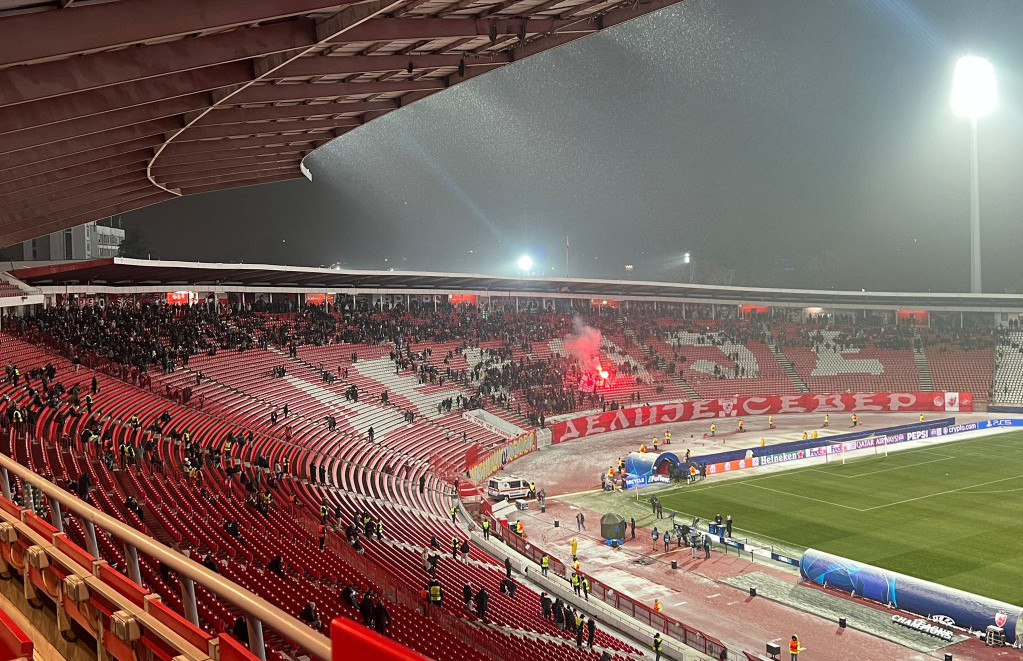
(137, 339)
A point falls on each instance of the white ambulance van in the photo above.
(507, 487)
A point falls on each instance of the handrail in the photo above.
(284, 623)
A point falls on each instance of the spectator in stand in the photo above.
(482, 599)
(366, 609)
(310, 616)
(381, 616)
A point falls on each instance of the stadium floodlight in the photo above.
(685, 258)
(525, 263)
(974, 94)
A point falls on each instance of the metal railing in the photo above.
(257, 609)
(630, 607)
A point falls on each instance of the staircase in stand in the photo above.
(152, 524)
(676, 376)
(786, 364)
(923, 368)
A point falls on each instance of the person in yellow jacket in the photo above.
(814, 433)
(794, 648)
(855, 419)
(642, 448)
(805, 436)
(827, 419)
(770, 421)
(763, 441)
(519, 528)
(657, 605)
(575, 547)
(713, 428)
(545, 564)
(667, 438)
(655, 443)
(921, 417)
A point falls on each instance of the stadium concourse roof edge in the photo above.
(121, 274)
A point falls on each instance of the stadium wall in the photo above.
(733, 407)
(940, 604)
(1005, 409)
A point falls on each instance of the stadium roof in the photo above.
(120, 272)
(112, 105)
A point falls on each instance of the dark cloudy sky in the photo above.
(781, 142)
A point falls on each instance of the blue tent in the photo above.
(649, 463)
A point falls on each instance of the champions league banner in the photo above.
(939, 604)
(738, 407)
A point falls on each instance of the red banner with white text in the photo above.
(735, 407)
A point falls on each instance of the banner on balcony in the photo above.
(736, 407)
(493, 461)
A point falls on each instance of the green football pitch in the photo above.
(951, 513)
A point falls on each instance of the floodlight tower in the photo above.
(974, 95)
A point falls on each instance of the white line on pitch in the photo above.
(716, 594)
(941, 493)
(885, 470)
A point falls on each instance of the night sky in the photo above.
(781, 142)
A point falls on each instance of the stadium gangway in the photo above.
(257, 610)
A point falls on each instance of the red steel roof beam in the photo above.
(251, 129)
(51, 79)
(107, 99)
(36, 37)
(236, 115)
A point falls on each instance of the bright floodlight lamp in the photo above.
(525, 263)
(974, 95)
(974, 92)
(685, 258)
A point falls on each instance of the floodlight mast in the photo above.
(974, 94)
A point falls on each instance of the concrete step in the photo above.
(786, 364)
